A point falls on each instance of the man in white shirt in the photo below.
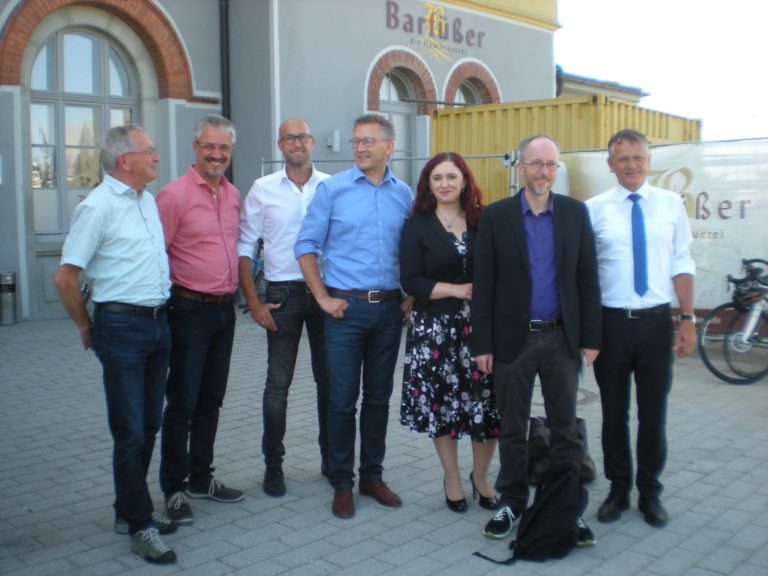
(638, 279)
(273, 211)
(117, 239)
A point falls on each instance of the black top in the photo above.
(428, 255)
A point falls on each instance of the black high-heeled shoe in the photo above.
(459, 506)
(487, 502)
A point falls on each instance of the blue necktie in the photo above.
(639, 255)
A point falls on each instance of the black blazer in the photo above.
(428, 256)
(501, 292)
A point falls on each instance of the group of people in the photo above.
(537, 284)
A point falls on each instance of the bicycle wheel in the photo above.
(712, 340)
(747, 352)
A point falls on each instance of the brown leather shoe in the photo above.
(343, 504)
(379, 490)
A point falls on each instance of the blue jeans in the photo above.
(367, 340)
(202, 334)
(134, 352)
(297, 308)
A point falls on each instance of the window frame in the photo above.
(50, 226)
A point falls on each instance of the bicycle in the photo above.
(733, 338)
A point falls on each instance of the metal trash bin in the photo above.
(7, 298)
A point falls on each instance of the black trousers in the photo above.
(546, 354)
(642, 346)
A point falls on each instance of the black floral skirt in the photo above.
(443, 390)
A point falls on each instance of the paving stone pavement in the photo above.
(56, 485)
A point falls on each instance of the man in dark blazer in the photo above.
(535, 311)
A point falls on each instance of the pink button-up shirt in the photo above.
(201, 233)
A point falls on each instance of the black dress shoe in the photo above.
(274, 482)
(455, 505)
(653, 511)
(611, 509)
(487, 502)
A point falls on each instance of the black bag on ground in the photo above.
(538, 452)
(548, 527)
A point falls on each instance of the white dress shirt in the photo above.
(117, 238)
(274, 210)
(668, 239)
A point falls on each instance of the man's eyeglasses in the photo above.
(151, 151)
(291, 138)
(211, 147)
(367, 142)
(539, 164)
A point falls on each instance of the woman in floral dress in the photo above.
(444, 394)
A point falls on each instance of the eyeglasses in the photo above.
(151, 151)
(291, 138)
(539, 164)
(366, 142)
(211, 147)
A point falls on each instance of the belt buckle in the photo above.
(535, 326)
(629, 314)
(371, 297)
(156, 311)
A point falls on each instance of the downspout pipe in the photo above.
(226, 109)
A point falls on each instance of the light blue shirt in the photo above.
(356, 227)
(117, 238)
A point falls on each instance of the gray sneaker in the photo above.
(148, 544)
(178, 509)
(164, 524)
(215, 491)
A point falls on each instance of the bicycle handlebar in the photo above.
(754, 274)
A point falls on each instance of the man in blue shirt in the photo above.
(354, 221)
(535, 311)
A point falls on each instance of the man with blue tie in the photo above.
(643, 251)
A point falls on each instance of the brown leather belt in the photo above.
(638, 312)
(182, 292)
(130, 309)
(372, 296)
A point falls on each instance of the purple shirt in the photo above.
(540, 238)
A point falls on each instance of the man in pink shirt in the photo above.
(200, 212)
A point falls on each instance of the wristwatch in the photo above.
(691, 317)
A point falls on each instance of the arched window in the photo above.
(394, 88)
(81, 84)
(466, 93)
(471, 82)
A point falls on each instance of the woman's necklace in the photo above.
(448, 223)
